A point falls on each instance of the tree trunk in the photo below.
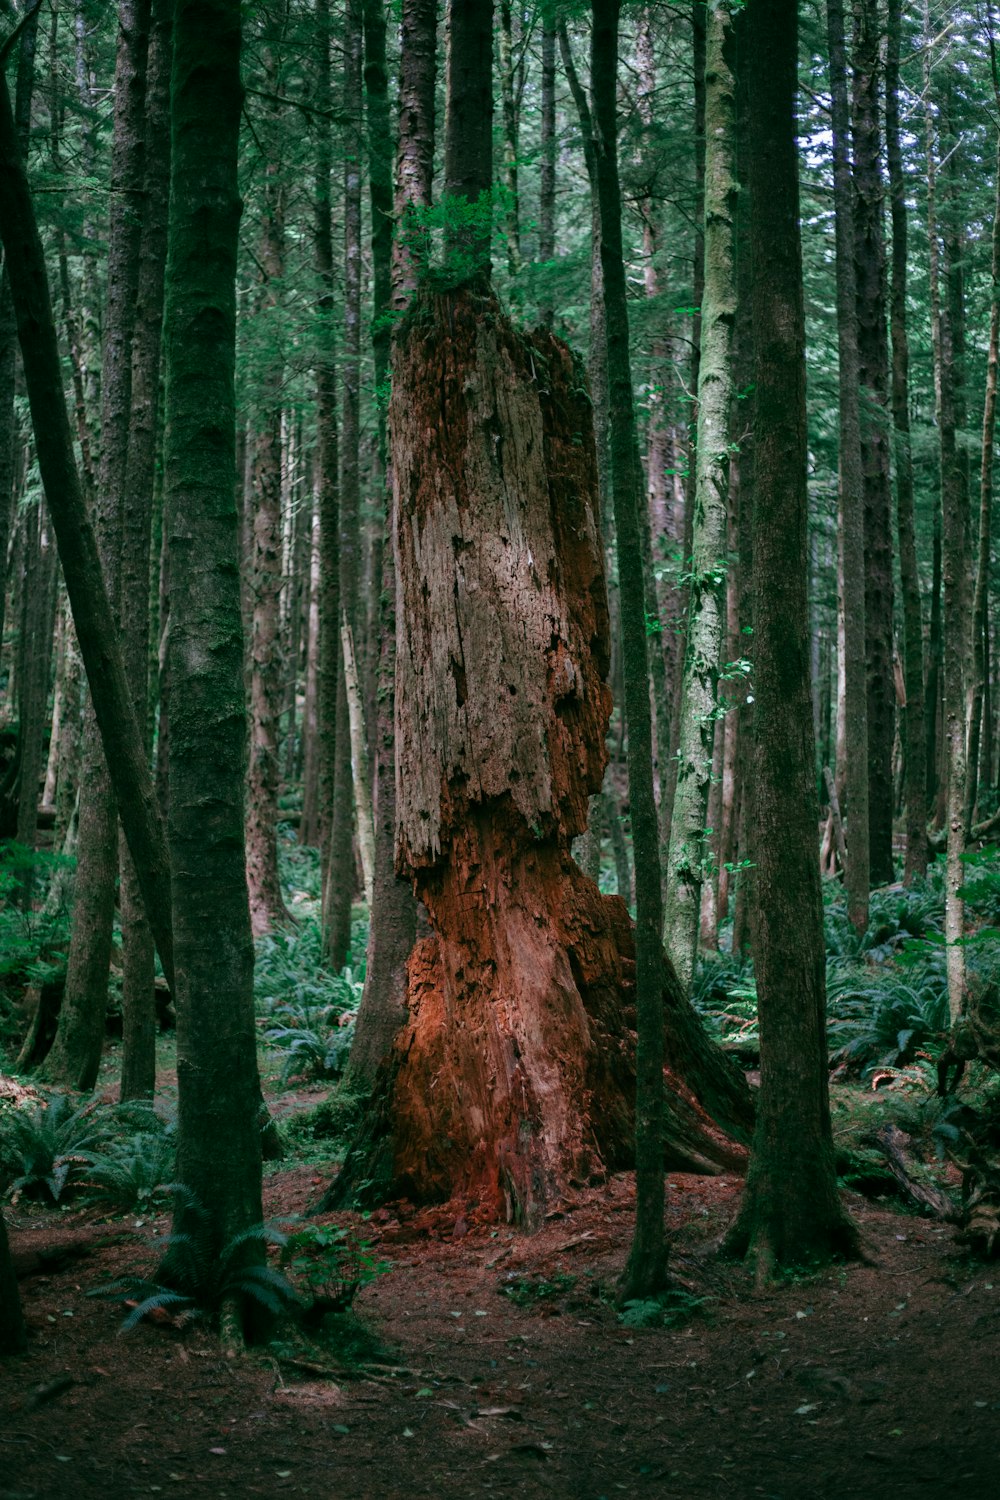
(874, 385)
(915, 793)
(468, 144)
(219, 1153)
(706, 618)
(511, 1078)
(980, 604)
(24, 88)
(393, 913)
(790, 1212)
(646, 1269)
(508, 97)
(76, 1051)
(547, 165)
(854, 769)
(340, 880)
(138, 996)
(327, 465)
(267, 907)
(954, 558)
(415, 157)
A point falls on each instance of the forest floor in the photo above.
(491, 1362)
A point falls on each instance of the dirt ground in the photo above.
(877, 1379)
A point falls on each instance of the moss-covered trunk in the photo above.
(218, 1088)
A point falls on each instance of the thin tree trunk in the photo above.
(267, 907)
(415, 157)
(854, 767)
(980, 603)
(76, 1051)
(915, 785)
(138, 1075)
(547, 165)
(511, 215)
(392, 929)
(954, 557)
(874, 383)
(706, 619)
(340, 880)
(646, 1269)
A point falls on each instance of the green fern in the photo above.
(49, 1147)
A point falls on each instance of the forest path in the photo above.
(875, 1380)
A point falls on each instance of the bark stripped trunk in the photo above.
(512, 1076)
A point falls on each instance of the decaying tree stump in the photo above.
(513, 1075)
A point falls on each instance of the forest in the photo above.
(499, 748)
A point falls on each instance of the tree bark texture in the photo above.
(76, 1052)
(219, 1151)
(874, 376)
(851, 497)
(267, 908)
(138, 997)
(415, 156)
(340, 880)
(706, 620)
(647, 1258)
(511, 1076)
(915, 791)
(790, 1211)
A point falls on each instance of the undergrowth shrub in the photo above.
(45, 1149)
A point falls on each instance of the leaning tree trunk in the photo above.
(512, 1077)
(78, 554)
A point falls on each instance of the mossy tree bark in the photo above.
(851, 538)
(267, 907)
(790, 1213)
(219, 1152)
(706, 619)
